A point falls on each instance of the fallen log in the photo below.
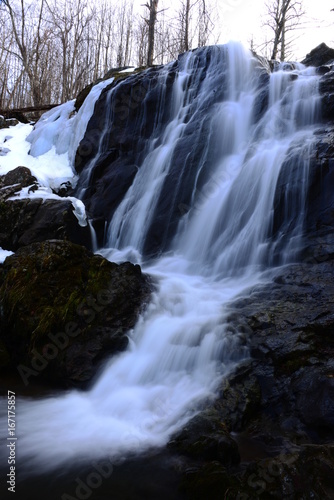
(20, 113)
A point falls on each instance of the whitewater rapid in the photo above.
(179, 350)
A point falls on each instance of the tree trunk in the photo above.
(186, 27)
(283, 42)
(153, 8)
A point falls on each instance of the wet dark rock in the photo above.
(292, 344)
(239, 399)
(326, 87)
(128, 105)
(322, 70)
(319, 56)
(31, 220)
(206, 437)
(135, 99)
(317, 243)
(82, 96)
(211, 480)
(25, 221)
(64, 309)
(322, 57)
(19, 177)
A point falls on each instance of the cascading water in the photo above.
(231, 229)
(181, 346)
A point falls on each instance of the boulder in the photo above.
(7, 122)
(319, 56)
(16, 179)
(25, 221)
(64, 309)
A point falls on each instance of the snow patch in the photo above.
(45, 193)
(4, 254)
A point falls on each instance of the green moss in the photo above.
(42, 291)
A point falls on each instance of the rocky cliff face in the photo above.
(130, 120)
(126, 115)
(269, 433)
(279, 407)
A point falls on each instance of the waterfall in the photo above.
(194, 94)
(234, 180)
(245, 128)
(230, 230)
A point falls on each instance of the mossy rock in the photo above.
(56, 291)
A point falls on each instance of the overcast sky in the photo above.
(243, 18)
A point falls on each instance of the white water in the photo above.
(178, 351)
(182, 346)
(228, 234)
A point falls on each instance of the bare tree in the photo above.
(185, 24)
(29, 43)
(5, 41)
(124, 21)
(140, 41)
(194, 20)
(283, 16)
(206, 23)
(69, 21)
(51, 49)
(151, 21)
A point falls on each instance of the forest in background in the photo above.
(50, 50)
